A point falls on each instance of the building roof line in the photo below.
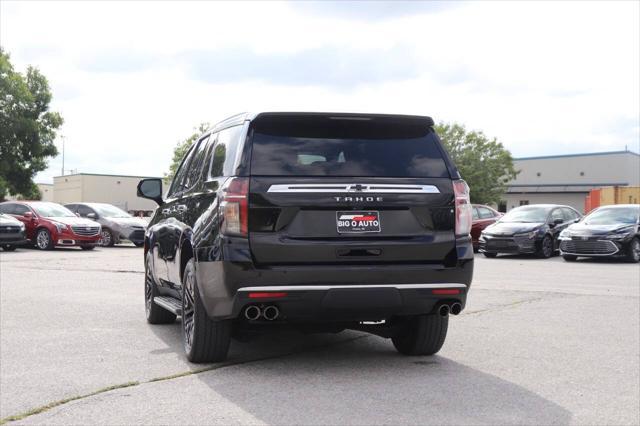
(103, 174)
(585, 154)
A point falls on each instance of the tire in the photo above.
(106, 238)
(491, 255)
(87, 247)
(569, 257)
(204, 339)
(546, 248)
(422, 335)
(43, 239)
(155, 314)
(633, 253)
(138, 244)
(8, 247)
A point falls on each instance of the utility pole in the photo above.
(62, 137)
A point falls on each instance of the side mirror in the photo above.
(151, 189)
(28, 215)
(92, 216)
(577, 220)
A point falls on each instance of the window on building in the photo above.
(524, 202)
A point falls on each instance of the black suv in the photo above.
(322, 221)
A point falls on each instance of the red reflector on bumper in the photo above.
(265, 294)
(446, 291)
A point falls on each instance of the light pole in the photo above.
(62, 137)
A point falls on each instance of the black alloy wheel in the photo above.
(546, 247)
(188, 310)
(204, 339)
(155, 314)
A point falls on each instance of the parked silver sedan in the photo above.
(117, 224)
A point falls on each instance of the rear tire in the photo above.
(155, 313)
(491, 255)
(422, 335)
(569, 257)
(87, 247)
(633, 254)
(205, 340)
(8, 247)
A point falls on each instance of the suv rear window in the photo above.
(327, 146)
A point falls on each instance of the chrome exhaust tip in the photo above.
(456, 308)
(443, 310)
(271, 313)
(252, 313)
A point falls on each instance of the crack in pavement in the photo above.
(44, 408)
(501, 307)
(121, 271)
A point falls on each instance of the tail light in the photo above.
(234, 207)
(463, 207)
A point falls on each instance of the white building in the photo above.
(567, 179)
(46, 190)
(112, 189)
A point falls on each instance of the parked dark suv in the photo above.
(322, 221)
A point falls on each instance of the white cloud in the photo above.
(131, 79)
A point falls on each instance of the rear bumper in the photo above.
(327, 303)
(332, 292)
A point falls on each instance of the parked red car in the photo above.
(483, 216)
(50, 224)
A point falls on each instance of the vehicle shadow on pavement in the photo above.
(515, 257)
(356, 378)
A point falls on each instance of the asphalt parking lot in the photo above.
(541, 342)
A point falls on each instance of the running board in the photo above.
(171, 304)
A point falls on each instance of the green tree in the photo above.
(27, 128)
(181, 149)
(484, 163)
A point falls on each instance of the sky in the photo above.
(131, 79)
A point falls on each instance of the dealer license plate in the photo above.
(357, 222)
